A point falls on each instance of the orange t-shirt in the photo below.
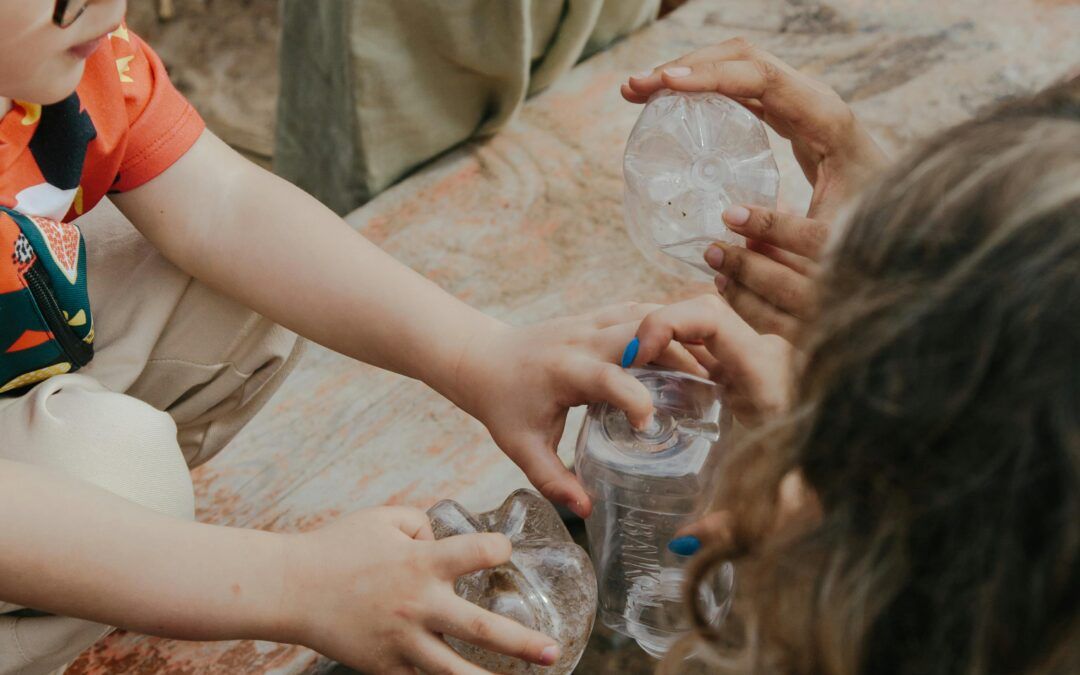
(123, 126)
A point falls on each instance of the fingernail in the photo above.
(677, 71)
(630, 353)
(642, 75)
(647, 424)
(578, 508)
(721, 283)
(736, 215)
(550, 655)
(714, 255)
(684, 546)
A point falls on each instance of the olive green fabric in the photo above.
(371, 89)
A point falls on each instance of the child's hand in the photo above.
(755, 369)
(520, 382)
(375, 592)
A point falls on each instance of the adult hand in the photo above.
(835, 151)
(771, 282)
(754, 369)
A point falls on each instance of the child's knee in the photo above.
(73, 424)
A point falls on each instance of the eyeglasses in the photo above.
(67, 11)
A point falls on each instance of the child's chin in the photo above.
(60, 87)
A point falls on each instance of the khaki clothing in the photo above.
(179, 370)
(372, 89)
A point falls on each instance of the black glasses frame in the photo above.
(62, 17)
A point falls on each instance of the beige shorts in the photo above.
(178, 370)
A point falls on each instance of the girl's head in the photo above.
(41, 62)
(937, 423)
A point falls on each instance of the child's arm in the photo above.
(268, 244)
(276, 249)
(373, 590)
(70, 548)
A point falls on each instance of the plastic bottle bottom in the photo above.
(654, 642)
(692, 252)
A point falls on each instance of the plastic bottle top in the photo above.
(688, 420)
(663, 432)
(689, 157)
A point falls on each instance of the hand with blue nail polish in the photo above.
(521, 381)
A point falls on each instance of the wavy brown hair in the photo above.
(937, 422)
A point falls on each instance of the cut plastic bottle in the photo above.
(645, 485)
(689, 157)
(548, 584)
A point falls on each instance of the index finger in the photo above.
(493, 632)
(707, 319)
(464, 553)
(792, 102)
(782, 94)
(648, 82)
(802, 236)
(538, 460)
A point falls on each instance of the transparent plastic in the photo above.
(689, 157)
(645, 485)
(548, 585)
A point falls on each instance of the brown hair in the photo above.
(937, 422)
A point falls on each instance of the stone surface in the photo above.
(529, 225)
(548, 585)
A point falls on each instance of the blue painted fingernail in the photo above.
(684, 545)
(630, 353)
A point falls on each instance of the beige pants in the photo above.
(179, 369)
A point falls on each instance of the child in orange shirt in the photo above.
(94, 483)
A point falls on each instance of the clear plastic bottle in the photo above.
(548, 584)
(645, 485)
(689, 157)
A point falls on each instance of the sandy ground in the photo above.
(222, 54)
